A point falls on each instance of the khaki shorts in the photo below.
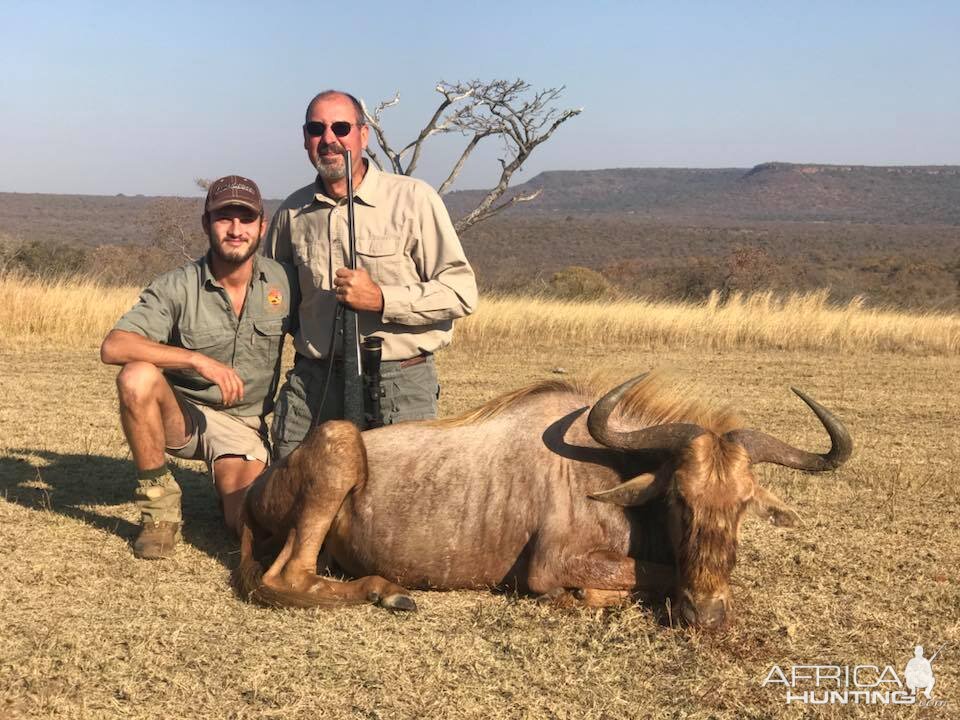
(216, 433)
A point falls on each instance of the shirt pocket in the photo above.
(378, 246)
(217, 344)
(266, 339)
(213, 343)
(310, 256)
(300, 240)
(382, 256)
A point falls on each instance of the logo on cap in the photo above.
(233, 190)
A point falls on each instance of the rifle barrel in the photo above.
(352, 381)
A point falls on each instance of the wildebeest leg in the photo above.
(300, 498)
(286, 576)
(597, 579)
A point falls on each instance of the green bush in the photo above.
(579, 283)
(41, 259)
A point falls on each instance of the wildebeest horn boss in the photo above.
(642, 496)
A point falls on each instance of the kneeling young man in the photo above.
(201, 359)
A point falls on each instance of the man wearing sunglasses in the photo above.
(201, 362)
(412, 278)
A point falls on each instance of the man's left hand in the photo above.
(357, 290)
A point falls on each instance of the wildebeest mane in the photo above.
(654, 401)
(498, 404)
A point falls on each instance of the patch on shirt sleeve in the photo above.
(274, 296)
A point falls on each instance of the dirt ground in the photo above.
(87, 631)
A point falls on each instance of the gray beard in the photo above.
(331, 172)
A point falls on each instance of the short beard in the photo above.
(331, 172)
(235, 260)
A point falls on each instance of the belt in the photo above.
(403, 364)
(416, 360)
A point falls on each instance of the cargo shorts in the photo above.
(408, 392)
(217, 433)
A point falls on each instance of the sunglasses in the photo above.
(315, 128)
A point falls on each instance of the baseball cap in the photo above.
(233, 190)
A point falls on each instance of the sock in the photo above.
(150, 477)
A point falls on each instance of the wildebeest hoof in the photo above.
(398, 602)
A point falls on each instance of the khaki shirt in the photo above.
(405, 240)
(188, 308)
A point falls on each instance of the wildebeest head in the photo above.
(708, 485)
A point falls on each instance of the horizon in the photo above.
(125, 101)
(199, 193)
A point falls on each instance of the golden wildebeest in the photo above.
(643, 495)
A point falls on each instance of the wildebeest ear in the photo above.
(767, 506)
(636, 491)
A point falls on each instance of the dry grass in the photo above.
(90, 632)
(759, 321)
(71, 311)
(75, 312)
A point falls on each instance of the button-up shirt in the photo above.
(404, 240)
(189, 308)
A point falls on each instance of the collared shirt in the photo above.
(189, 308)
(407, 244)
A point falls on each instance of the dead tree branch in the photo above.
(173, 225)
(506, 109)
(438, 123)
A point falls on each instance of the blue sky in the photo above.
(111, 97)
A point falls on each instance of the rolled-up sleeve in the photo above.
(155, 313)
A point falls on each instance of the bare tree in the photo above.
(509, 110)
(749, 269)
(10, 249)
(172, 224)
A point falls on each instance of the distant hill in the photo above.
(768, 192)
(775, 192)
(88, 219)
(891, 234)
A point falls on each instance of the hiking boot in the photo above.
(157, 540)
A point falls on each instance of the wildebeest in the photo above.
(645, 494)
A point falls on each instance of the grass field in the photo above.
(89, 632)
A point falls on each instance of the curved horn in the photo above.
(766, 448)
(659, 437)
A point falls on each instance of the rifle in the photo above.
(361, 362)
(370, 355)
(361, 365)
(934, 656)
